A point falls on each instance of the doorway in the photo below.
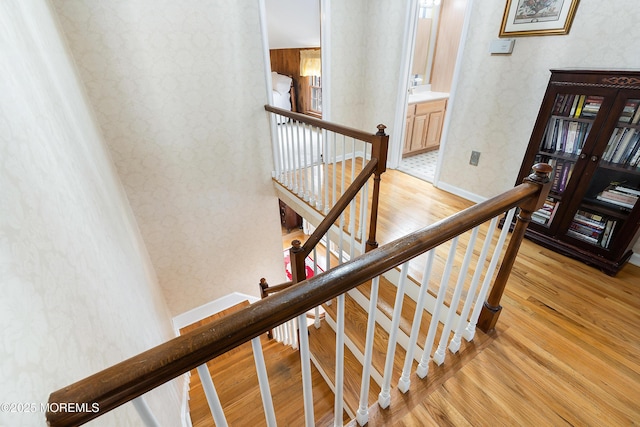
(435, 42)
(294, 52)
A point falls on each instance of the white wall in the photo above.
(498, 97)
(293, 23)
(178, 89)
(78, 291)
(366, 48)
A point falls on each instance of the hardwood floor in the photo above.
(234, 377)
(565, 351)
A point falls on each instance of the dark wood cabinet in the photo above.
(288, 217)
(588, 130)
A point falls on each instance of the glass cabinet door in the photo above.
(614, 186)
(567, 131)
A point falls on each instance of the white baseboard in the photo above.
(186, 416)
(210, 308)
(635, 259)
(460, 192)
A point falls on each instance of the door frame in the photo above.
(411, 22)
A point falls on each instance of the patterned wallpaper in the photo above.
(178, 89)
(498, 97)
(366, 44)
(78, 291)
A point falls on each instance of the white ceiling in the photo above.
(293, 23)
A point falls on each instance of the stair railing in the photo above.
(133, 377)
(318, 161)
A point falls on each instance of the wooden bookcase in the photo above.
(588, 130)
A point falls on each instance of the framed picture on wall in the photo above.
(537, 17)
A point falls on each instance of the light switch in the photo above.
(501, 46)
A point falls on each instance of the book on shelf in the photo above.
(561, 174)
(627, 190)
(608, 232)
(623, 147)
(629, 111)
(620, 196)
(545, 214)
(626, 143)
(591, 106)
(565, 136)
(580, 105)
(636, 117)
(592, 228)
(567, 105)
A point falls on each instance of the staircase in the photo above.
(234, 376)
(234, 372)
(213, 348)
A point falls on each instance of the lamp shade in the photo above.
(310, 64)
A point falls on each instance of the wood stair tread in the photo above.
(356, 320)
(234, 376)
(322, 344)
(386, 300)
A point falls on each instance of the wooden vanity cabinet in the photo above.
(424, 126)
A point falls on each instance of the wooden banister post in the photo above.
(491, 309)
(263, 294)
(378, 151)
(263, 288)
(298, 268)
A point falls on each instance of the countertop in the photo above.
(424, 96)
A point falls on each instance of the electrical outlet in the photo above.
(475, 158)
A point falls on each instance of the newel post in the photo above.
(379, 151)
(298, 268)
(491, 309)
(264, 292)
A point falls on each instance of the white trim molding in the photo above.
(210, 308)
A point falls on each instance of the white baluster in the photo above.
(470, 330)
(341, 239)
(384, 398)
(423, 366)
(305, 363)
(364, 204)
(404, 382)
(352, 205)
(319, 143)
(306, 165)
(325, 163)
(284, 177)
(293, 333)
(275, 146)
(316, 311)
(263, 382)
(211, 395)
(339, 380)
(145, 413)
(364, 217)
(312, 165)
(454, 346)
(327, 248)
(292, 159)
(438, 356)
(363, 409)
(301, 161)
(352, 227)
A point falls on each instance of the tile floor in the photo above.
(421, 166)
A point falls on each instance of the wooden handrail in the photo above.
(322, 124)
(343, 202)
(133, 377)
(277, 288)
